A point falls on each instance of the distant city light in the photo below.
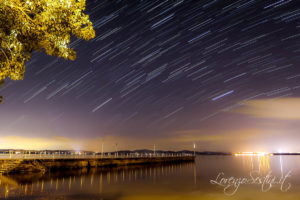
(252, 154)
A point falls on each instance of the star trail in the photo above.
(159, 67)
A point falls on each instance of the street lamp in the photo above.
(116, 150)
(102, 148)
(194, 148)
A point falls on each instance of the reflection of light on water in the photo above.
(70, 182)
(56, 185)
(195, 175)
(67, 183)
(264, 164)
(281, 165)
(31, 191)
(42, 187)
(116, 177)
(254, 162)
(92, 179)
(6, 191)
(123, 175)
(100, 183)
(108, 178)
(38, 184)
(25, 189)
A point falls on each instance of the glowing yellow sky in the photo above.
(257, 125)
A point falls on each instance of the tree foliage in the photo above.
(36, 25)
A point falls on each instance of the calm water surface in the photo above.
(188, 181)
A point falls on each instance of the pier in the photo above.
(44, 163)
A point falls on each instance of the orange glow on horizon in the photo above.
(252, 154)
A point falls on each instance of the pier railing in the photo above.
(95, 156)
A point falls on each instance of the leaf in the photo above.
(36, 25)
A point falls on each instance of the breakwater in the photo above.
(48, 164)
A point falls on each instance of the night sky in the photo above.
(223, 74)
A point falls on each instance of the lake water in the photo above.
(207, 179)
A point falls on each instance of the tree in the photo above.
(36, 25)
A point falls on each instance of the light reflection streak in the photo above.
(56, 185)
(195, 175)
(92, 179)
(100, 182)
(31, 190)
(25, 189)
(108, 178)
(70, 182)
(281, 165)
(6, 191)
(42, 187)
(260, 163)
(123, 175)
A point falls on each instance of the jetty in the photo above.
(45, 163)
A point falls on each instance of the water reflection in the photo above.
(256, 163)
(84, 180)
(266, 164)
(175, 181)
